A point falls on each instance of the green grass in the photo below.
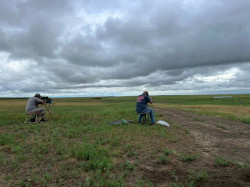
(167, 152)
(6, 139)
(188, 156)
(78, 143)
(221, 126)
(221, 161)
(197, 175)
(162, 159)
(80, 148)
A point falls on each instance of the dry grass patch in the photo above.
(77, 104)
(237, 113)
(12, 102)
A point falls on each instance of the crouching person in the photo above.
(32, 107)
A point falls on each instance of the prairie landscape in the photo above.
(207, 143)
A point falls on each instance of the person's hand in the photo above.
(42, 102)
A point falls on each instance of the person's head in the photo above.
(38, 95)
(145, 92)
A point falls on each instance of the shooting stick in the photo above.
(48, 111)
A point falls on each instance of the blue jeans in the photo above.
(147, 110)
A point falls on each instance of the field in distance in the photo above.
(207, 143)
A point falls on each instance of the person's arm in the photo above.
(150, 101)
(41, 101)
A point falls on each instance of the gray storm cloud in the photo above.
(158, 45)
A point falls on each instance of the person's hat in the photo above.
(37, 95)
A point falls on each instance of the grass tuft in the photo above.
(221, 161)
(188, 157)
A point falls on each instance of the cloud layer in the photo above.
(78, 48)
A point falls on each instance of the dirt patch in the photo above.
(216, 136)
(223, 147)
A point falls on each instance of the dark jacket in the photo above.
(142, 103)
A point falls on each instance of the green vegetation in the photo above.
(188, 156)
(163, 159)
(167, 152)
(80, 148)
(197, 175)
(221, 126)
(221, 161)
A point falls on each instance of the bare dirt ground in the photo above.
(210, 137)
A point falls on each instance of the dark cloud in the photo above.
(73, 46)
(87, 51)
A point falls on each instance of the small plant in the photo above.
(189, 183)
(188, 157)
(162, 159)
(86, 151)
(128, 166)
(201, 175)
(172, 174)
(102, 164)
(233, 151)
(44, 148)
(70, 133)
(167, 152)
(13, 163)
(145, 182)
(132, 153)
(221, 126)
(197, 176)
(173, 139)
(240, 165)
(101, 141)
(199, 119)
(221, 161)
(15, 149)
(7, 178)
(243, 132)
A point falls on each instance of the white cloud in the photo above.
(225, 76)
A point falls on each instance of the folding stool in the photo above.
(37, 117)
(145, 118)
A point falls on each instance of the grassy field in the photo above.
(80, 148)
(235, 108)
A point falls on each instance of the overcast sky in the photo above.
(105, 48)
